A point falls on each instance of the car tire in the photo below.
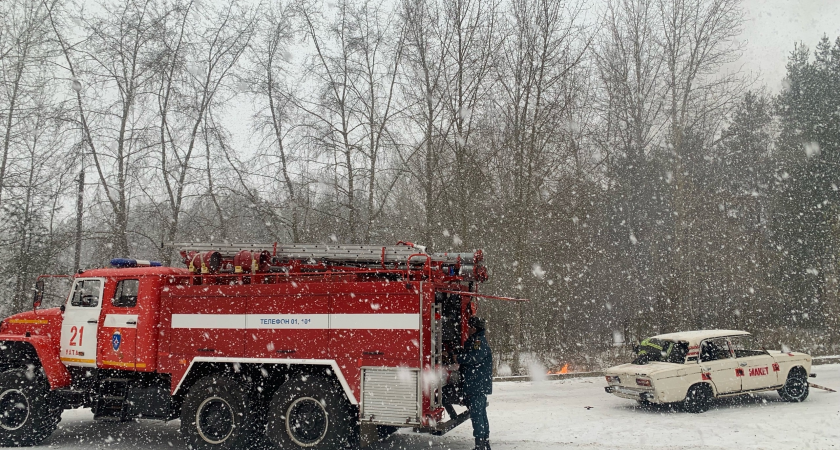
(310, 412)
(217, 414)
(27, 413)
(796, 387)
(698, 399)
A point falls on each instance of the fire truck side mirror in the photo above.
(38, 297)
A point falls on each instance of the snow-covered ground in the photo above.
(573, 413)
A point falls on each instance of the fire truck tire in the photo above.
(27, 415)
(216, 414)
(310, 413)
(796, 387)
(698, 399)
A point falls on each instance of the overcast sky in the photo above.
(772, 26)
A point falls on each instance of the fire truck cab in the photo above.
(296, 346)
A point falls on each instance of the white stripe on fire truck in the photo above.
(374, 321)
(298, 321)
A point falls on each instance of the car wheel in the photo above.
(309, 412)
(27, 416)
(796, 387)
(698, 399)
(216, 414)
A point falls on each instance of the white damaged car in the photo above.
(693, 367)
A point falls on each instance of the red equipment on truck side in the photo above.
(304, 345)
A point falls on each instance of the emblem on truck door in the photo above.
(116, 340)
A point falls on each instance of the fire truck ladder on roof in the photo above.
(316, 252)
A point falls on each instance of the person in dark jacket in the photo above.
(476, 362)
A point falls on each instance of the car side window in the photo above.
(744, 347)
(86, 293)
(125, 295)
(714, 350)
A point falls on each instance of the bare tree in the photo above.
(29, 234)
(543, 49)
(427, 37)
(697, 38)
(357, 72)
(276, 119)
(629, 62)
(216, 41)
(467, 85)
(115, 62)
(22, 51)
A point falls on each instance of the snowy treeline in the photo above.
(614, 170)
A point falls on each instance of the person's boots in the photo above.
(482, 444)
(450, 411)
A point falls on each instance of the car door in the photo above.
(80, 323)
(757, 365)
(719, 365)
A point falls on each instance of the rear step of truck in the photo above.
(444, 427)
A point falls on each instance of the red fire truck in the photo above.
(297, 346)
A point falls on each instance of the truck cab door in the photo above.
(81, 321)
(118, 334)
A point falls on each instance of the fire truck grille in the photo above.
(390, 396)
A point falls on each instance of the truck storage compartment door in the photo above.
(375, 321)
(80, 323)
(288, 320)
(390, 396)
(208, 321)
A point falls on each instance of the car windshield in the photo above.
(660, 350)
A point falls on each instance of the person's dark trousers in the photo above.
(478, 416)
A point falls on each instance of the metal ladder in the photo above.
(315, 252)
(111, 404)
(348, 253)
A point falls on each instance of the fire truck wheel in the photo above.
(796, 386)
(216, 414)
(310, 413)
(26, 414)
(698, 399)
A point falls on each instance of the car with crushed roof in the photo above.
(691, 368)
